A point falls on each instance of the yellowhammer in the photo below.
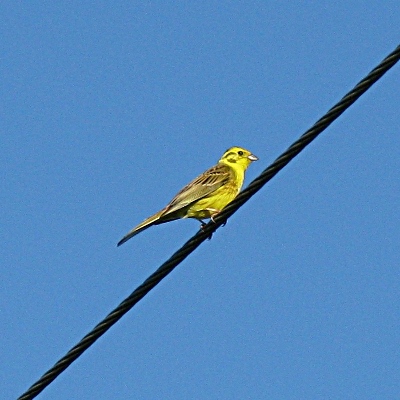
(205, 196)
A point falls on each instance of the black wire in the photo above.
(202, 235)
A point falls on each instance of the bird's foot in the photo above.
(202, 226)
(214, 215)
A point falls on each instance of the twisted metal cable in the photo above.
(211, 227)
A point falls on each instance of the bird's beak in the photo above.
(252, 157)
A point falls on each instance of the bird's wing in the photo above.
(201, 187)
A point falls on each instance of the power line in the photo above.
(211, 227)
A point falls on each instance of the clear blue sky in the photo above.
(108, 109)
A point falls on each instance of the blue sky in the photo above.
(109, 109)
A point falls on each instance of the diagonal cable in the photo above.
(202, 235)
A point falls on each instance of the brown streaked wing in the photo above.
(202, 186)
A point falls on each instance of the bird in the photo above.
(206, 195)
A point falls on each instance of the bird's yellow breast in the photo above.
(216, 201)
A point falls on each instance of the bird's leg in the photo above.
(202, 226)
(213, 212)
(216, 212)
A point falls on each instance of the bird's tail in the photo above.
(141, 227)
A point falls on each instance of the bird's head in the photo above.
(238, 156)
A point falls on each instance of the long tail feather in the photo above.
(141, 227)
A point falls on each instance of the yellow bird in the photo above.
(206, 195)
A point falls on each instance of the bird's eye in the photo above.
(240, 152)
